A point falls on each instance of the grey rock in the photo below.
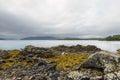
(76, 75)
(102, 60)
(32, 78)
(108, 63)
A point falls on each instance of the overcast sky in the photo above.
(59, 18)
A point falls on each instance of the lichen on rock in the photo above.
(105, 62)
(77, 63)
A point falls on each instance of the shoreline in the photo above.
(104, 45)
(59, 63)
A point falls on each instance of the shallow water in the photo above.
(17, 44)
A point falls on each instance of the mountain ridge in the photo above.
(39, 38)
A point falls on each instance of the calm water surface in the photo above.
(17, 44)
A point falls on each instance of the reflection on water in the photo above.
(17, 44)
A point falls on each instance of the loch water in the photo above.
(18, 44)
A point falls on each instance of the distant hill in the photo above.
(113, 38)
(70, 39)
(39, 38)
(81, 39)
(2, 39)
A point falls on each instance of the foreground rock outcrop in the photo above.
(60, 49)
(40, 70)
(80, 63)
(99, 66)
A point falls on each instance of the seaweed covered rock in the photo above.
(37, 70)
(75, 49)
(69, 62)
(58, 50)
(37, 63)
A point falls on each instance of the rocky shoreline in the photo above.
(59, 63)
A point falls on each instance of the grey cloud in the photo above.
(17, 26)
(61, 18)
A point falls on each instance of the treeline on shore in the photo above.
(108, 38)
(82, 39)
(113, 38)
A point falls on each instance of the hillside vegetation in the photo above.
(113, 38)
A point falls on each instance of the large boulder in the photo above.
(102, 60)
(106, 62)
(99, 66)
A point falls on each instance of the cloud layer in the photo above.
(61, 18)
